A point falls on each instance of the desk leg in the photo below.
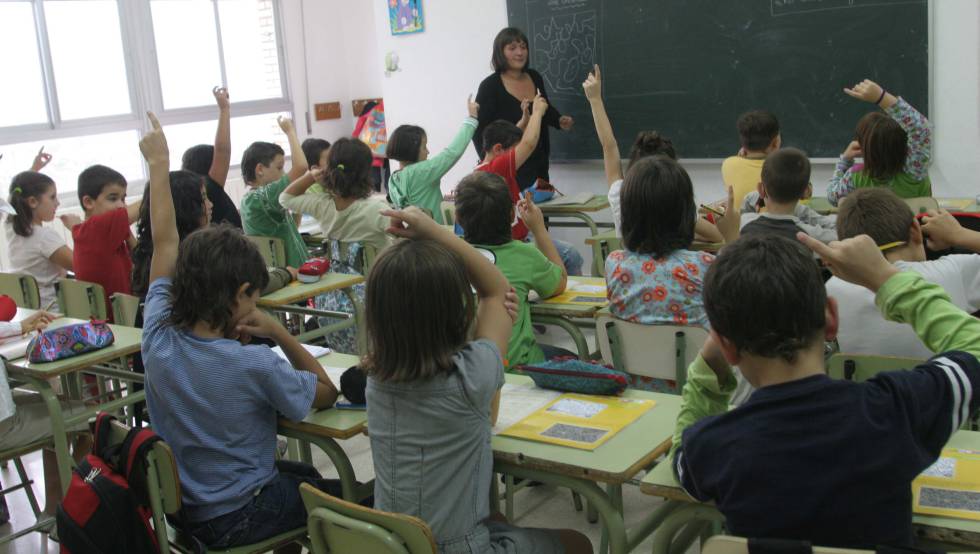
(509, 497)
(338, 457)
(580, 343)
(597, 260)
(682, 517)
(615, 493)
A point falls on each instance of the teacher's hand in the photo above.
(566, 122)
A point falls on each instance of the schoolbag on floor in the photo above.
(106, 508)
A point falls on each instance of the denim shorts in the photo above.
(277, 508)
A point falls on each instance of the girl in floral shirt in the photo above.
(896, 148)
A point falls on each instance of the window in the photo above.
(88, 70)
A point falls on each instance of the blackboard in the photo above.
(688, 68)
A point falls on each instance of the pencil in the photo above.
(713, 210)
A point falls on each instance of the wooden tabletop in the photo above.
(596, 203)
(332, 422)
(297, 292)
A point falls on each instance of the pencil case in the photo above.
(70, 340)
(573, 375)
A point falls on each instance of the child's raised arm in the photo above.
(162, 216)
(610, 150)
(301, 185)
(296, 155)
(221, 161)
(531, 215)
(493, 321)
(529, 141)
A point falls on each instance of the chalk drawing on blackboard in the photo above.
(791, 7)
(564, 49)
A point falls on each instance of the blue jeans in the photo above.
(277, 508)
(568, 254)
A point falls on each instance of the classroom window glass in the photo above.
(87, 55)
(244, 131)
(187, 51)
(23, 95)
(251, 53)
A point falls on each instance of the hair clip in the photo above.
(340, 167)
(18, 190)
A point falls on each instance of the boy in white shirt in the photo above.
(878, 212)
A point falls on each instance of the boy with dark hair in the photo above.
(315, 150)
(888, 220)
(212, 397)
(758, 133)
(213, 163)
(785, 181)
(774, 465)
(507, 148)
(485, 212)
(103, 241)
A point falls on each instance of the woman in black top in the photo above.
(500, 96)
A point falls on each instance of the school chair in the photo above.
(163, 490)
(337, 526)
(356, 256)
(448, 210)
(80, 299)
(861, 367)
(124, 308)
(272, 249)
(922, 204)
(726, 544)
(22, 288)
(658, 351)
(27, 484)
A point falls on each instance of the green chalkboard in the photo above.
(688, 68)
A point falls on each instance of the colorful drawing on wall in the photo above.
(405, 16)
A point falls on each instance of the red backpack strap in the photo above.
(132, 460)
(103, 430)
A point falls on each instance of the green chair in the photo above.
(272, 249)
(124, 308)
(22, 288)
(361, 263)
(725, 544)
(861, 367)
(337, 526)
(80, 299)
(448, 210)
(659, 351)
(27, 484)
(163, 487)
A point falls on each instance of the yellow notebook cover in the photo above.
(955, 203)
(579, 421)
(587, 291)
(950, 487)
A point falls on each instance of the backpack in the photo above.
(107, 508)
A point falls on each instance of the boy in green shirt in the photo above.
(485, 212)
(262, 170)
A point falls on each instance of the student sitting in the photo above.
(432, 394)
(316, 151)
(484, 211)
(887, 219)
(785, 181)
(416, 182)
(212, 397)
(34, 249)
(103, 241)
(758, 133)
(262, 169)
(808, 457)
(896, 146)
(647, 143)
(507, 148)
(213, 162)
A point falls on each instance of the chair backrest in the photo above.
(357, 255)
(922, 204)
(448, 210)
(336, 525)
(22, 288)
(124, 308)
(272, 249)
(861, 367)
(660, 351)
(725, 544)
(80, 299)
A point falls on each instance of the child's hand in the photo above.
(728, 224)
(70, 220)
(411, 223)
(221, 97)
(866, 90)
(852, 151)
(257, 324)
(941, 229)
(511, 304)
(472, 107)
(42, 159)
(530, 213)
(154, 144)
(286, 125)
(540, 105)
(525, 113)
(315, 172)
(36, 322)
(856, 260)
(565, 122)
(293, 272)
(593, 85)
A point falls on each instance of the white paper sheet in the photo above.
(577, 408)
(520, 401)
(315, 351)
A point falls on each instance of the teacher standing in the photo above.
(500, 96)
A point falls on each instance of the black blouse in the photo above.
(496, 103)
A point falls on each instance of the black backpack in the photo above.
(107, 508)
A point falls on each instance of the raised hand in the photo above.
(286, 125)
(153, 145)
(70, 220)
(728, 224)
(42, 159)
(221, 97)
(856, 260)
(593, 85)
(472, 107)
(540, 104)
(411, 223)
(852, 151)
(530, 212)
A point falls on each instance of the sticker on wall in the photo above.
(405, 16)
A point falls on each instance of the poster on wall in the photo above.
(405, 16)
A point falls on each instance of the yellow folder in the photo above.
(950, 487)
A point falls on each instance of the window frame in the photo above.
(144, 82)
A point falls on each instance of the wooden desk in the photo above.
(283, 301)
(570, 316)
(634, 448)
(127, 341)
